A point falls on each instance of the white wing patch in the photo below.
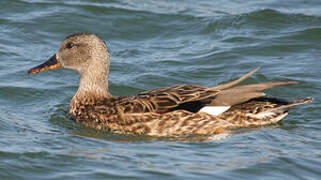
(215, 110)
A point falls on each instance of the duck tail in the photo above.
(277, 113)
(235, 82)
(292, 104)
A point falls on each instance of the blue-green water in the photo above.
(157, 44)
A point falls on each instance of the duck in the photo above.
(179, 110)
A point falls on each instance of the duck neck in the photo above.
(93, 83)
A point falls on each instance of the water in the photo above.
(157, 44)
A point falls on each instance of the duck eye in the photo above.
(70, 45)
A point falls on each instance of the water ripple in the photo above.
(156, 44)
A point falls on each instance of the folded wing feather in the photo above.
(194, 98)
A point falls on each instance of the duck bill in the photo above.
(51, 64)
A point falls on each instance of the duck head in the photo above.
(86, 53)
(77, 52)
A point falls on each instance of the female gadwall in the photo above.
(177, 110)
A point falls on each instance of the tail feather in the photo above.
(231, 95)
(263, 86)
(306, 100)
(261, 111)
(279, 112)
(292, 104)
(249, 106)
(241, 94)
(235, 82)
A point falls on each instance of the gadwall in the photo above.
(172, 111)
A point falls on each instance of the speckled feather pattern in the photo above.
(171, 111)
(150, 113)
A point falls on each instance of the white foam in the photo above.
(215, 110)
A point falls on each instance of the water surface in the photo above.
(157, 44)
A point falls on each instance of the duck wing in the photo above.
(193, 98)
(186, 97)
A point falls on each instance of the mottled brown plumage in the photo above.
(171, 111)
